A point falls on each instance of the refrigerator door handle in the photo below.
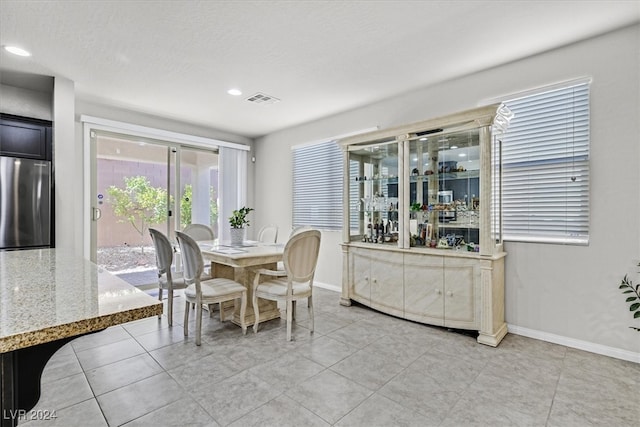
(97, 214)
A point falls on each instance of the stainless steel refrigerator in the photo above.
(25, 203)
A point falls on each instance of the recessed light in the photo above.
(422, 139)
(234, 92)
(462, 155)
(17, 51)
(453, 147)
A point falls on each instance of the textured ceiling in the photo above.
(176, 59)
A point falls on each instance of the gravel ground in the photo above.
(126, 259)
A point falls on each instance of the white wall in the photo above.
(26, 102)
(143, 119)
(67, 168)
(563, 293)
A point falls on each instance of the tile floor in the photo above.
(360, 368)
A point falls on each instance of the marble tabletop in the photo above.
(49, 294)
(251, 253)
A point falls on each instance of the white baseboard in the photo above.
(327, 286)
(574, 343)
(545, 336)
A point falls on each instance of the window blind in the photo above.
(354, 197)
(317, 186)
(545, 155)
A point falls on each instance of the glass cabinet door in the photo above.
(434, 185)
(444, 190)
(373, 192)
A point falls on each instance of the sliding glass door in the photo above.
(138, 183)
(198, 186)
(134, 182)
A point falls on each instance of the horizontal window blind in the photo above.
(354, 197)
(545, 155)
(317, 186)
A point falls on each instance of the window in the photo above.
(545, 155)
(317, 186)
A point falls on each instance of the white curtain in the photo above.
(232, 186)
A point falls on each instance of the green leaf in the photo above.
(628, 292)
(623, 286)
(631, 299)
(634, 307)
(636, 314)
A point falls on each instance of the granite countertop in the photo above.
(49, 294)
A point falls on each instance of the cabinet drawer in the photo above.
(25, 139)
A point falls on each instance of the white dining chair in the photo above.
(199, 232)
(268, 234)
(293, 283)
(211, 291)
(295, 230)
(167, 279)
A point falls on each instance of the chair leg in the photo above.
(256, 313)
(293, 310)
(310, 305)
(170, 306)
(198, 323)
(221, 312)
(186, 318)
(243, 310)
(289, 318)
(159, 299)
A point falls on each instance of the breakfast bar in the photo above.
(47, 298)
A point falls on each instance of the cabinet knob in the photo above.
(449, 293)
(438, 291)
(366, 278)
(375, 280)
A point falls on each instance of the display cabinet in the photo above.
(423, 200)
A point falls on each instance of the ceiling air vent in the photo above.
(262, 98)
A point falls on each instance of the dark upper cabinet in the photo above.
(25, 137)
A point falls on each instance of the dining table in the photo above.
(239, 263)
(49, 297)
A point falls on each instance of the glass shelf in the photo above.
(389, 180)
(444, 176)
(436, 169)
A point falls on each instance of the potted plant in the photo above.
(633, 297)
(238, 220)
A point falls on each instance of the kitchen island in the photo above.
(47, 298)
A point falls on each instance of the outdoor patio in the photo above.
(133, 264)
